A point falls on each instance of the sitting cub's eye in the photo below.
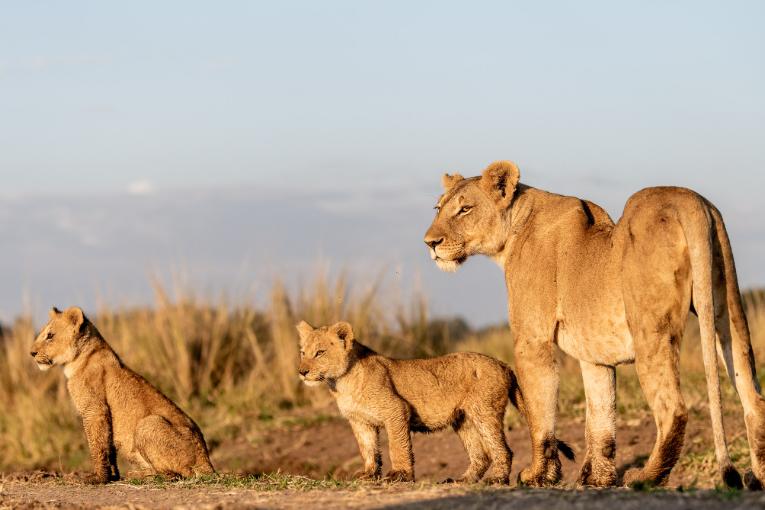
(302, 354)
(318, 353)
(465, 209)
(49, 336)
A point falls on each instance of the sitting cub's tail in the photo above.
(516, 398)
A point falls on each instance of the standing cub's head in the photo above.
(61, 340)
(324, 352)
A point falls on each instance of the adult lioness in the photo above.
(607, 294)
(120, 410)
(465, 391)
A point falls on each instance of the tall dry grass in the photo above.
(231, 365)
(227, 364)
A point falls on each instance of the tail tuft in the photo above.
(566, 450)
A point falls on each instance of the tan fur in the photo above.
(607, 294)
(120, 410)
(465, 391)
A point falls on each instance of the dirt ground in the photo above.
(327, 451)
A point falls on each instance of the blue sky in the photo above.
(140, 137)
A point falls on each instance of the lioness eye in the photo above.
(318, 353)
(465, 209)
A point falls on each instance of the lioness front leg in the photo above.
(598, 468)
(98, 431)
(538, 378)
(399, 444)
(369, 446)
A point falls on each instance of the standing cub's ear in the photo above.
(448, 181)
(500, 180)
(75, 316)
(53, 313)
(304, 329)
(344, 332)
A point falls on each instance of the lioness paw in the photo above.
(399, 476)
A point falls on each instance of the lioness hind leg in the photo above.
(165, 448)
(598, 468)
(479, 459)
(656, 362)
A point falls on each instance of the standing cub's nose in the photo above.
(303, 371)
(33, 353)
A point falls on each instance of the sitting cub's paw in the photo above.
(399, 476)
(95, 479)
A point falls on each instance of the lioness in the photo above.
(608, 294)
(465, 391)
(120, 410)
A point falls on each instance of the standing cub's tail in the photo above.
(516, 398)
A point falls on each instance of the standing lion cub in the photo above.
(120, 410)
(465, 391)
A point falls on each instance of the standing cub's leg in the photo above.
(399, 442)
(170, 450)
(479, 459)
(369, 446)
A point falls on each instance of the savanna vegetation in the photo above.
(232, 365)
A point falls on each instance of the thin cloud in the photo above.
(141, 187)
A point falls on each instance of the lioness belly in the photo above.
(603, 340)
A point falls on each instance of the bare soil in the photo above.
(327, 449)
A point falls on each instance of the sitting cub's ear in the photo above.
(75, 316)
(344, 332)
(448, 181)
(500, 180)
(304, 329)
(53, 312)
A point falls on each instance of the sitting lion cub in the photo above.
(120, 410)
(465, 391)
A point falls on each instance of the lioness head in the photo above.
(324, 352)
(470, 215)
(61, 340)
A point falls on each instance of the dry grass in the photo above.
(232, 365)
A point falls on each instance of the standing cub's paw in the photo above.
(366, 475)
(399, 476)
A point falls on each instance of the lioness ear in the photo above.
(448, 181)
(53, 312)
(500, 180)
(344, 332)
(304, 329)
(75, 316)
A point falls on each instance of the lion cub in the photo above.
(120, 410)
(465, 391)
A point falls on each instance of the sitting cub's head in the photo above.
(60, 341)
(324, 352)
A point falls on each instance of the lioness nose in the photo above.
(433, 241)
(303, 371)
(33, 353)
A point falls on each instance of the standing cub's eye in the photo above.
(465, 209)
(49, 336)
(318, 353)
